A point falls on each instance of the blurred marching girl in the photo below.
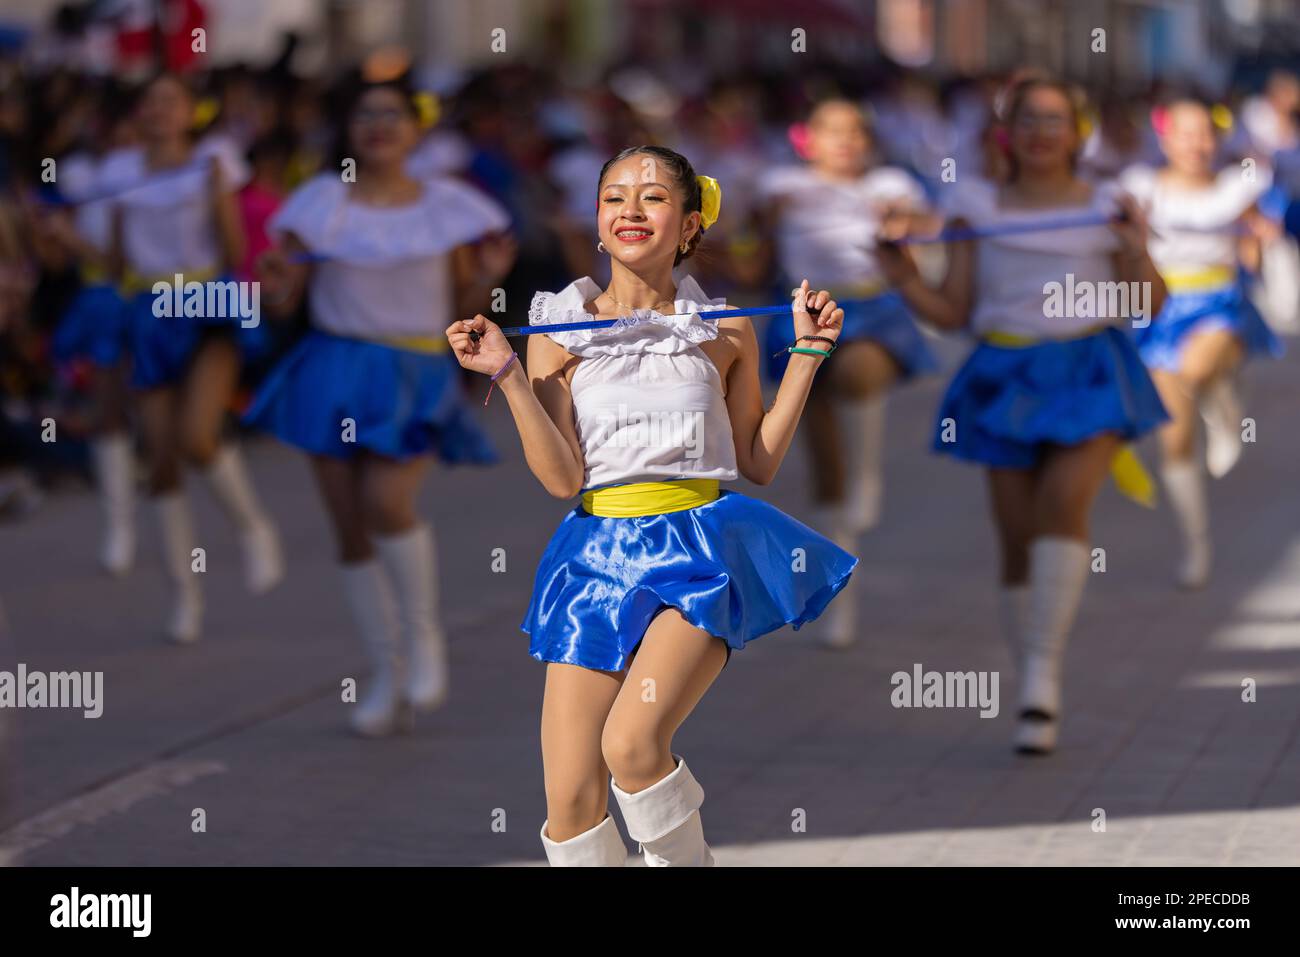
(1208, 324)
(1045, 401)
(823, 218)
(176, 215)
(91, 328)
(373, 394)
(648, 585)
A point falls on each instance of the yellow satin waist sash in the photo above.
(1014, 340)
(133, 283)
(1128, 473)
(649, 498)
(1199, 280)
(417, 343)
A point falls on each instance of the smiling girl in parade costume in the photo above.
(824, 217)
(650, 583)
(1208, 324)
(175, 214)
(1045, 403)
(373, 394)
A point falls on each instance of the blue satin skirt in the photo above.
(1007, 402)
(736, 568)
(1185, 314)
(884, 320)
(94, 327)
(162, 347)
(339, 396)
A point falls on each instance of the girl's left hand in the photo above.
(1130, 226)
(829, 319)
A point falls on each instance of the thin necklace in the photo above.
(623, 305)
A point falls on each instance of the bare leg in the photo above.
(574, 710)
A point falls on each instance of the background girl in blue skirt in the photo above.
(647, 586)
(822, 219)
(1208, 324)
(1054, 388)
(372, 393)
(175, 216)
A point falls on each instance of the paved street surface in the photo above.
(802, 756)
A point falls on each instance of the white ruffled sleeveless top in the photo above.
(648, 403)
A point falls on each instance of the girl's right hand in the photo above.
(489, 354)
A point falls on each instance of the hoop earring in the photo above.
(600, 247)
(683, 247)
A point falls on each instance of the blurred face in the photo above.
(1188, 141)
(383, 128)
(1043, 137)
(837, 140)
(641, 215)
(166, 111)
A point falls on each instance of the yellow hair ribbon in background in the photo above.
(1222, 116)
(428, 108)
(710, 200)
(205, 111)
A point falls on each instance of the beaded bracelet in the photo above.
(500, 373)
(826, 339)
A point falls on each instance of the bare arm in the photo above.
(225, 213)
(948, 306)
(1133, 262)
(283, 279)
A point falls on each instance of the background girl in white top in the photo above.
(642, 580)
(372, 394)
(175, 214)
(1208, 324)
(1046, 399)
(822, 219)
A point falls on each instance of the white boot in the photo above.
(1221, 410)
(115, 473)
(1186, 489)
(412, 566)
(841, 628)
(263, 560)
(178, 544)
(1058, 572)
(380, 710)
(665, 820)
(862, 438)
(602, 846)
(1014, 605)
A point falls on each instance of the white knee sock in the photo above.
(366, 590)
(1221, 410)
(1185, 486)
(411, 563)
(178, 543)
(230, 482)
(862, 434)
(1058, 572)
(115, 473)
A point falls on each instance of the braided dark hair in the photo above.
(683, 174)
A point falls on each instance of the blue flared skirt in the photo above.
(736, 568)
(883, 319)
(162, 347)
(1006, 403)
(1185, 314)
(339, 396)
(93, 327)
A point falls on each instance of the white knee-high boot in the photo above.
(665, 820)
(1221, 410)
(115, 473)
(177, 527)
(411, 564)
(863, 435)
(602, 846)
(369, 598)
(228, 478)
(1185, 486)
(841, 628)
(1058, 572)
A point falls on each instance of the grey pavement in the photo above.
(803, 758)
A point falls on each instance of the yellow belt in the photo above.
(1014, 340)
(649, 498)
(418, 343)
(134, 283)
(1199, 280)
(1126, 469)
(93, 274)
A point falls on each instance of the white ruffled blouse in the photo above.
(648, 403)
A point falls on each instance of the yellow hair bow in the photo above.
(428, 108)
(1221, 116)
(205, 111)
(710, 200)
